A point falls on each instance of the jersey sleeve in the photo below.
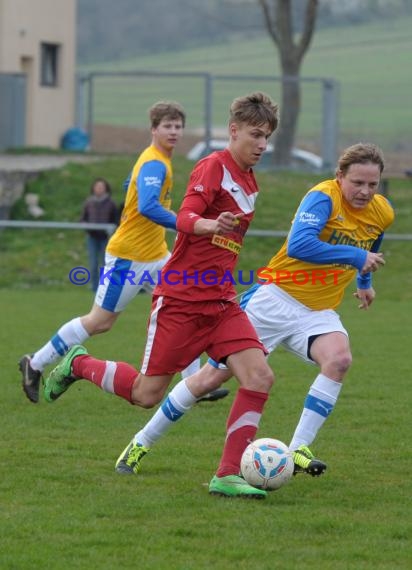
(204, 183)
(365, 281)
(126, 182)
(304, 242)
(387, 216)
(149, 183)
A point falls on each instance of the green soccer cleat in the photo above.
(234, 486)
(61, 378)
(306, 462)
(130, 458)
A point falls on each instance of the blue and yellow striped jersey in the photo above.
(329, 240)
(142, 237)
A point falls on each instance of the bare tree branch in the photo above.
(308, 29)
(278, 18)
(279, 24)
(285, 28)
(269, 21)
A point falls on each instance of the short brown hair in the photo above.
(166, 110)
(254, 109)
(360, 153)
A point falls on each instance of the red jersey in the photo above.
(201, 267)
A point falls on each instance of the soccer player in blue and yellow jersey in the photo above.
(136, 252)
(335, 236)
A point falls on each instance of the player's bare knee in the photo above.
(261, 379)
(268, 379)
(146, 401)
(338, 365)
(343, 362)
(147, 405)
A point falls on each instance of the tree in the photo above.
(278, 16)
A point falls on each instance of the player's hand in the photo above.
(365, 296)
(373, 262)
(226, 222)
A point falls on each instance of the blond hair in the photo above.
(360, 153)
(255, 109)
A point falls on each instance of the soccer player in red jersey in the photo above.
(194, 308)
(335, 235)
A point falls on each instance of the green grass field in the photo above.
(62, 504)
(370, 61)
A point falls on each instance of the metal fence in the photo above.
(110, 228)
(122, 99)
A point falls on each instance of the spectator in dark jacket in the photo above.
(99, 208)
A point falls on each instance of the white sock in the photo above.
(191, 369)
(178, 401)
(69, 334)
(319, 403)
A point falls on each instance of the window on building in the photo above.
(49, 64)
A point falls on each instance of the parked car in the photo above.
(301, 159)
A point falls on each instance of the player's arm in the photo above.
(365, 292)
(304, 242)
(223, 224)
(149, 184)
(204, 184)
(364, 280)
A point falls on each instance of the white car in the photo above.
(301, 159)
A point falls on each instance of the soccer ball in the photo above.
(267, 464)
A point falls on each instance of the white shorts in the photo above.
(122, 279)
(279, 319)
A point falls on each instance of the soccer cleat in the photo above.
(30, 379)
(234, 486)
(61, 378)
(214, 395)
(306, 462)
(130, 458)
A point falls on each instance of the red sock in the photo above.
(242, 425)
(115, 377)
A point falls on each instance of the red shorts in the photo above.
(179, 332)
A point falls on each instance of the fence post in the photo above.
(330, 101)
(90, 79)
(80, 100)
(208, 110)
